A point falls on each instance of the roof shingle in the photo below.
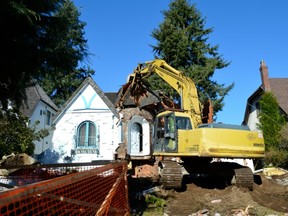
(279, 86)
(34, 95)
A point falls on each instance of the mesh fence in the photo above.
(83, 189)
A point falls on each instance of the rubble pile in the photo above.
(14, 160)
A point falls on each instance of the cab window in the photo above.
(183, 123)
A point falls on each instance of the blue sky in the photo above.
(119, 37)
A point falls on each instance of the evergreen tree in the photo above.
(182, 41)
(270, 120)
(67, 47)
(284, 137)
(16, 136)
(21, 30)
(42, 41)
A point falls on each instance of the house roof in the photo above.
(88, 81)
(112, 96)
(279, 86)
(34, 95)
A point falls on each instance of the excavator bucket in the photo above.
(136, 94)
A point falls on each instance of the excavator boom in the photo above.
(176, 79)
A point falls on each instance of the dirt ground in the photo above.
(202, 196)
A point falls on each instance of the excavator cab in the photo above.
(166, 129)
(166, 133)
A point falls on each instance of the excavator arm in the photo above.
(176, 79)
(180, 134)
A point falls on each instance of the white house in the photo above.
(278, 86)
(39, 108)
(86, 128)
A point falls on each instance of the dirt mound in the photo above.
(267, 198)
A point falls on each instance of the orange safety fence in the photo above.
(86, 189)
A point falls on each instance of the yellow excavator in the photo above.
(181, 141)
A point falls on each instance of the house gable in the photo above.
(87, 99)
(34, 95)
(86, 126)
(88, 96)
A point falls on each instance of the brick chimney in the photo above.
(264, 76)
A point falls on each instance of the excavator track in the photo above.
(171, 174)
(244, 177)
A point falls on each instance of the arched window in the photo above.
(87, 135)
(136, 141)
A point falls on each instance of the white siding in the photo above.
(253, 116)
(86, 106)
(40, 114)
(88, 99)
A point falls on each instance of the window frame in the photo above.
(87, 130)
